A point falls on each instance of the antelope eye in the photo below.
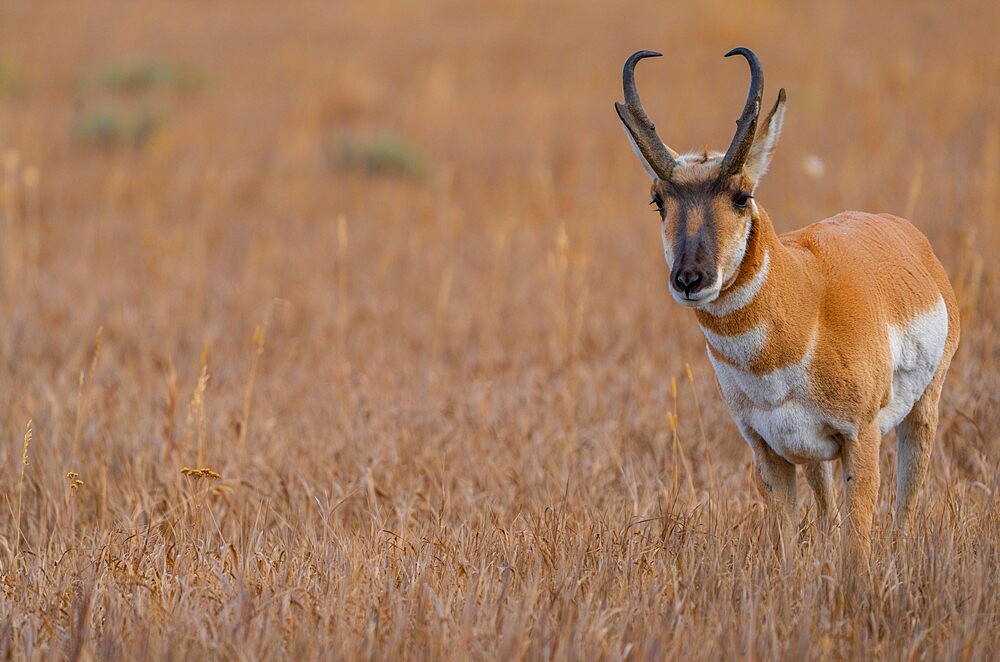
(657, 201)
(741, 200)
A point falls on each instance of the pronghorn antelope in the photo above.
(822, 339)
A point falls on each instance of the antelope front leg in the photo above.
(775, 478)
(820, 478)
(861, 480)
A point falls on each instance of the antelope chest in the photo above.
(776, 406)
(779, 408)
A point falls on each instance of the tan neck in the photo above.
(781, 303)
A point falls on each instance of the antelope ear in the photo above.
(766, 138)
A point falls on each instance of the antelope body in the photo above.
(822, 339)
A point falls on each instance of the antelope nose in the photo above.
(688, 281)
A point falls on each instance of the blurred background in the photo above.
(400, 254)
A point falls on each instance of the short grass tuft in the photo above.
(384, 154)
(134, 76)
(109, 129)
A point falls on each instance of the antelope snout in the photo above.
(689, 281)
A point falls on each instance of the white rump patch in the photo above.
(916, 348)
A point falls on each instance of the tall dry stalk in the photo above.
(11, 249)
(496, 286)
(678, 447)
(194, 427)
(969, 284)
(913, 194)
(441, 303)
(706, 453)
(259, 338)
(559, 262)
(342, 298)
(32, 229)
(81, 393)
(20, 491)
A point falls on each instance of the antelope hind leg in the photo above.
(915, 441)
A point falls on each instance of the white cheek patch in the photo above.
(743, 242)
(668, 250)
(916, 350)
(740, 298)
(737, 260)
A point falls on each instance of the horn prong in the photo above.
(637, 123)
(746, 125)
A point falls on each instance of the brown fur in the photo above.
(853, 275)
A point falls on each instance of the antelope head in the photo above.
(705, 200)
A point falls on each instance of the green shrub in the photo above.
(381, 155)
(107, 129)
(136, 76)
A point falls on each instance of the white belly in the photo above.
(916, 350)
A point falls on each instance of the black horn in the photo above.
(746, 125)
(638, 124)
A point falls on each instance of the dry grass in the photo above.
(338, 413)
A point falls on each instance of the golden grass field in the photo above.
(387, 271)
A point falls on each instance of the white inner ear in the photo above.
(635, 148)
(763, 147)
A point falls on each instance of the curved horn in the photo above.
(638, 124)
(746, 125)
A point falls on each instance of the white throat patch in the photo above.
(740, 297)
(741, 349)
